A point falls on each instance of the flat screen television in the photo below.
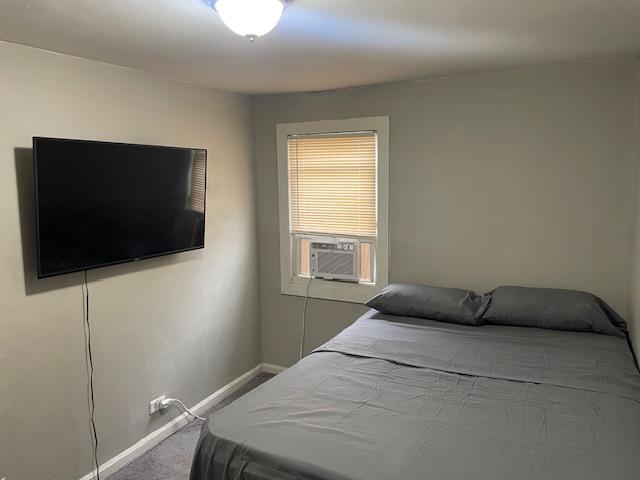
(100, 203)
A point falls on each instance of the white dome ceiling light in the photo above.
(250, 18)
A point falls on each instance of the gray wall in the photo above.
(523, 176)
(515, 177)
(183, 325)
(634, 292)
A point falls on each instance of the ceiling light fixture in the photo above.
(250, 18)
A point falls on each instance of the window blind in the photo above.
(332, 184)
(198, 180)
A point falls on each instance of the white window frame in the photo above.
(293, 284)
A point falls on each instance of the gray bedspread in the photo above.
(400, 398)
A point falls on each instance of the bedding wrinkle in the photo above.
(534, 445)
(605, 363)
(506, 437)
(390, 399)
(593, 417)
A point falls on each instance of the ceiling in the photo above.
(326, 44)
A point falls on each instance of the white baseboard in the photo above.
(154, 438)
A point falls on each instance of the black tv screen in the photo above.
(101, 203)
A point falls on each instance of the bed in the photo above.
(395, 397)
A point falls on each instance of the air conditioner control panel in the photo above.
(344, 246)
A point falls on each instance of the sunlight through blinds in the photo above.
(332, 184)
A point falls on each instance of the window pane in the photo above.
(304, 261)
(366, 261)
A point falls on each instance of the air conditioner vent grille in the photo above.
(335, 259)
(338, 263)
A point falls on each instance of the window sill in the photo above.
(330, 290)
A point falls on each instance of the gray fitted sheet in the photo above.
(399, 398)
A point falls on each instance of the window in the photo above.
(333, 179)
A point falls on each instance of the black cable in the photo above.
(91, 390)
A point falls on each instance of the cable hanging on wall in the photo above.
(303, 334)
(89, 354)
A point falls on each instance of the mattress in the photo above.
(399, 398)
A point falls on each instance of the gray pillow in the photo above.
(452, 305)
(553, 309)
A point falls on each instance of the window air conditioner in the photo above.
(335, 259)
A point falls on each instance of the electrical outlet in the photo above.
(156, 404)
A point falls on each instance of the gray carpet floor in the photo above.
(171, 459)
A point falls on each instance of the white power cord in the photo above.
(168, 401)
(304, 320)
